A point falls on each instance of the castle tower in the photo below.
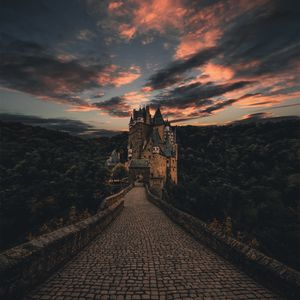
(152, 148)
(158, 122)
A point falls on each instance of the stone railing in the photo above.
(270, 272)
(108, 201)
(28, 264)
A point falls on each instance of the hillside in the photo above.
(48, 179)
(249, 173)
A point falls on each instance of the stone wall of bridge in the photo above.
(28, 264)
(270, 272)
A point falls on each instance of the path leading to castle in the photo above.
(144, 255)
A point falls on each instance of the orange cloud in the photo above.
(147, 15)
(127, 31)
(114, 75)
(194, 42)
(147, 89)
(267, 100)
(158, 14)
(124, 78)
(112, 6)
(203, 28)
(135, 98)
(82, 108)
(218, 72)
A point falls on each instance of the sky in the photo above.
(204, 62)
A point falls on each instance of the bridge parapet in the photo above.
(28, 264)
(270, 272)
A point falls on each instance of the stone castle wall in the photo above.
(137, 134)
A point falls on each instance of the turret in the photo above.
(131, 122)
(148, 116)
(158, 119)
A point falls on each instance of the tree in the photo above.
(119, 172)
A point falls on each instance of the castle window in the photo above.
(155, 149)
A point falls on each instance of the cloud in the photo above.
(283, 106)
(257, 116)
(145, 16)
(85, 35)
(195, 94)
(112, 6)
(33, 69)
(218, 72)
(114, 75)
(115, 106)
(175, 71)
(30, 68)
(121, 106)
(193, 42)
(126, 31)
(215, 45)
(267, 35)
(158, 15)
(235, 62)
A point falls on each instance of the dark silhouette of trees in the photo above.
(49, 179)
(119, 172)
(249, 173)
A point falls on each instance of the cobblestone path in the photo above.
(144, 255)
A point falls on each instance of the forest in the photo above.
(244, 179)
(49, 179)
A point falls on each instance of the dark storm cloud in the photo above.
(270, 38)
(30, 68)
(263, 40)
(179, 120)
(175, 71)
(115, 106)
(67, 125)
(219, 105)
(213, 105)
(195, 94)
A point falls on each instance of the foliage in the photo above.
(249, 173)
(48, 179)
(119, 171)
(117, 142)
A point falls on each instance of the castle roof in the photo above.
(167, 149)
(158, 119)
(131, 121)
(155, 137)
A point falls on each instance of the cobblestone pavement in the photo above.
(144, 255)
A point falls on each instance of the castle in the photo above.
(152, 149)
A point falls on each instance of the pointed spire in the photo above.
(148, 116)
(158, 119)
(131, 120)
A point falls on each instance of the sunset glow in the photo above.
(202, 61)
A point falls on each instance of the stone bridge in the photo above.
(144, 255)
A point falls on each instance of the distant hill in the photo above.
(248, 172)
(264, 118)
(74, 127)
